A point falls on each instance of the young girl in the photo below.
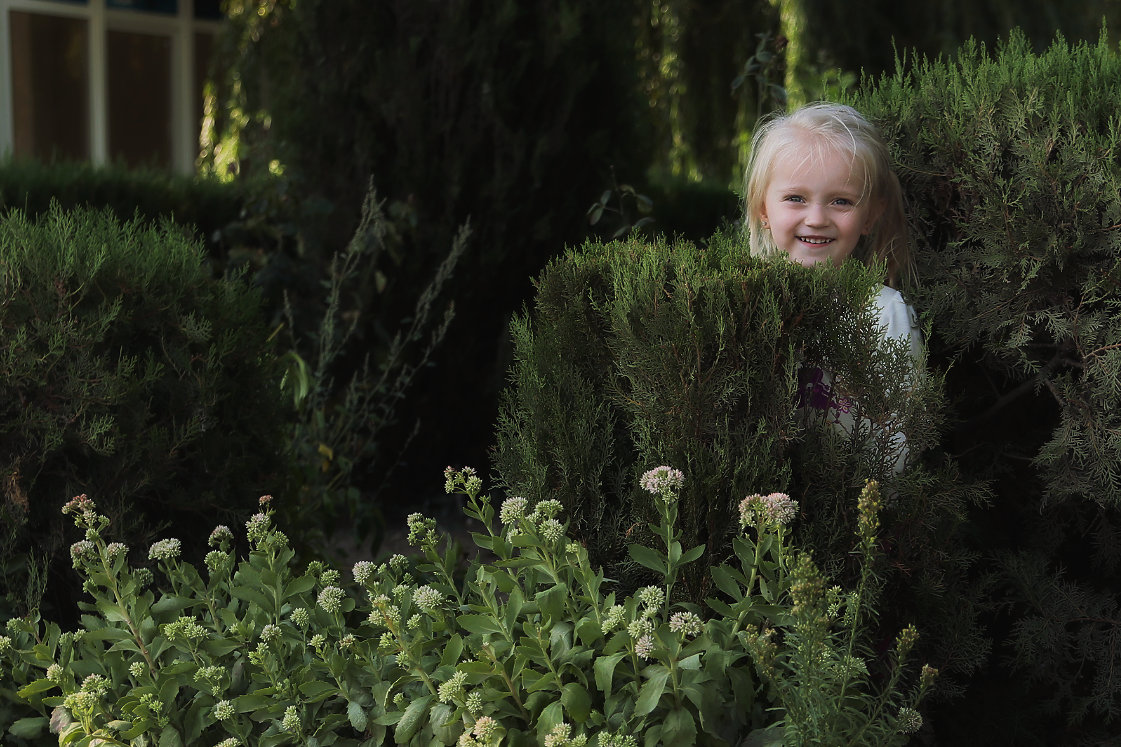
(820, 188)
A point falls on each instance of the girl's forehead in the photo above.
(831, 166)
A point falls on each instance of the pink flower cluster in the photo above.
(662, 480)
(776, 509)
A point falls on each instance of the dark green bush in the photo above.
(639, 353)
(127, 371)
(208, 205)
(1010, 163)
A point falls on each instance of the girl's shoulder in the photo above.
(889, 296)
(896, 315)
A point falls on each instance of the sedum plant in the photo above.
(524, 644)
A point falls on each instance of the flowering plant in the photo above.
(529, 647)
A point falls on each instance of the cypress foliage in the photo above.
(1010, 163)
(130, 373)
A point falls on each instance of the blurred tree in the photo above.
(502, 114)
(867, 35)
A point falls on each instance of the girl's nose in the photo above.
(816, 216)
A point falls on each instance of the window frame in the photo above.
(180, 28)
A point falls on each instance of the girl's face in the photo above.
(814, 210)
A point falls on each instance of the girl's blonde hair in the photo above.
(811, 132)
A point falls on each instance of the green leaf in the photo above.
(126, 644)
(588, 630)
(605, 670)
(218, 647)
(253, 596)
(452, 649)
(692, 554)
(690, 662)
(647, 558)
(479, 624)
(299, 585)
(36, 687)
(723, 576)
(551, 602)
(253, 702)
(357, 715)
(70, 733)
(28, 728)
(651, 691)
(317, 690)
(720, 608)
(138, 727)
(551, 715)
(678, 728)
(169, 737)
(170, 603)
(412, 719)
(111, 612)
(576, 701)
(544, 681)
(389, 718)
(445, 727)
(108, 633)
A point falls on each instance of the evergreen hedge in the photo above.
(208, 205)
(1009, 159)
(126, 370)
(639, 352)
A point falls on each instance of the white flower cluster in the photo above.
(363, 570)
(220, 535)
(331, 599)
(644, 647)
(453, 687)
(427, 598)
(910, 721)
(552, 530)
(686, 623)
(223, 710)
(218, 562)
(512, 510)
(652, 598)
(186, 628)
(291, 720)
(257, 527)
(663, 481)
(561, 736)
(614, 618)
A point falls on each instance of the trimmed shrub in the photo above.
(1009, 159)
(129, 371)
(641, 352)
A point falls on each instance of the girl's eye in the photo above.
(843, 202)
(794, 198)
